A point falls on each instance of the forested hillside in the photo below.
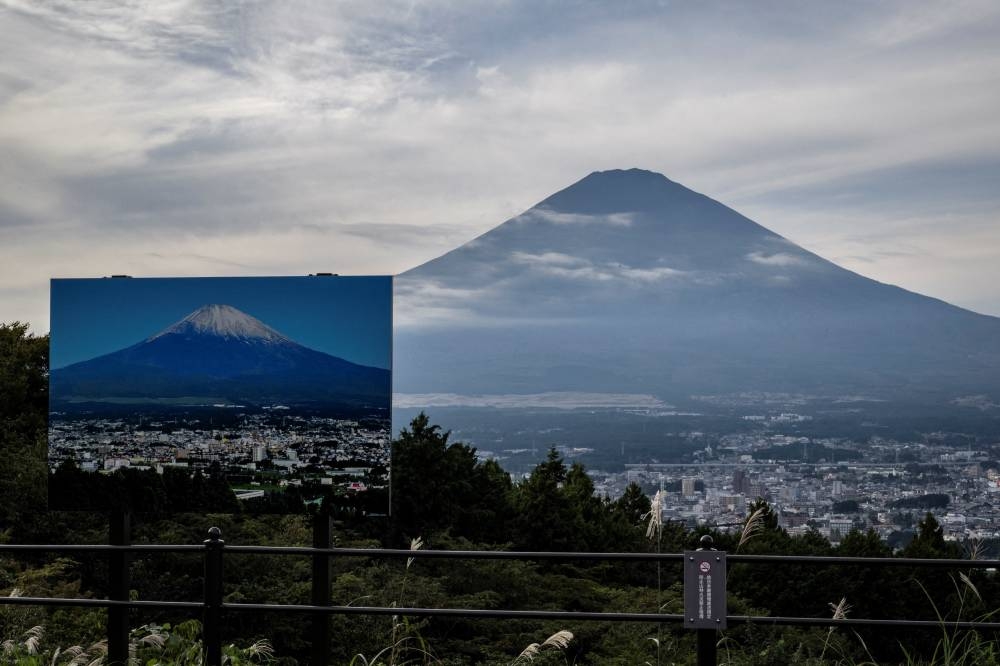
(444, 497)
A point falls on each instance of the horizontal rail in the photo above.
(474, 613)
(101, 548)
(99, 603)
(860, 622)
(453, 554)
(865, 561)
(816, 560)
(460, 612)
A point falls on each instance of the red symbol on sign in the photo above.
(704, 567)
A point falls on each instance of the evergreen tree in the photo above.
(437, 486)
(24, 398)
(633, 505)
(929, 541)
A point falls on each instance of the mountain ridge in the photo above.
(628, 281)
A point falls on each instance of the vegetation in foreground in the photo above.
(447, 498)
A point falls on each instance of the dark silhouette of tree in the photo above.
(929, 541)
(633, 506)
(24, 398)
(437, 486)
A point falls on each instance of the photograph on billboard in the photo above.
(220, 394)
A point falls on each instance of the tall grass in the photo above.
(956, 646)
(151, 644)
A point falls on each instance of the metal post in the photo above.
(707, 638)
(213, 597)
(322, 538)
(118, 587)
(706, 647)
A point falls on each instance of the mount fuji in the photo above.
(627, 282)
(220, 352)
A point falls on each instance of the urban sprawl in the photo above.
(887, 485)
(268, 451)
(879, 484)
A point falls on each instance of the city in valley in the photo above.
(859, 469)
(886, 485)
(710, 466)
(267, 450)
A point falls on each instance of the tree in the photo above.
(544, 516)
(929, 541)
(437, 486)
(556, 509)
(24, 398)
(633, 505)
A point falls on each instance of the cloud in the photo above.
(210, 261)
(782, 259)
(557, 264)
(655, 274)
(405, 234)
(229, 129)
(549, 259)
(558, 217)
(428, 303)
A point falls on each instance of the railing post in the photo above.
(705, 597)
(706, 647)
(213, 597)
(118, 587)
(322, 538)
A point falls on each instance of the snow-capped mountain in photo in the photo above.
(221, 352)
(224, 321)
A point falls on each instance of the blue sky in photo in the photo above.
(348, 317)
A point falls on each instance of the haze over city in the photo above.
(191, 139)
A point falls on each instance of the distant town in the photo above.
(258, 452)
(829, 484)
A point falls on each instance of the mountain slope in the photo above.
(629, 282)
(218, 351)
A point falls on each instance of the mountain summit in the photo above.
(629, 282)
(223, 321)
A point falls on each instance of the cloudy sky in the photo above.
(255, 138)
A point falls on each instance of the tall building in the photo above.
(741, 482)
(688, 487)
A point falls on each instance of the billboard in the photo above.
(220, 394)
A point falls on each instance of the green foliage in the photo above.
(442, 492)
(633, 505)
(929, 501)
(929, 541)
(438, 486)
(23, 407)
(148, 490)
(846, 506)
(957, 647)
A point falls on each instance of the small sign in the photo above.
(704, 589)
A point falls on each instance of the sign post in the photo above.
(705, 596)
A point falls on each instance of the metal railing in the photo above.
(212, 606)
